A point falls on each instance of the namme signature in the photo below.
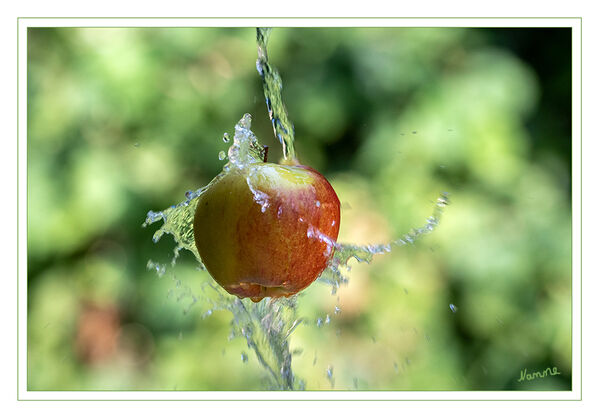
(524, 375)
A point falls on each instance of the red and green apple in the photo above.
(267, 230)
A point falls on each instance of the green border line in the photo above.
(581, 232)
(18, 43)
(305, 17)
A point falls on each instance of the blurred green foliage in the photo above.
(124, 120)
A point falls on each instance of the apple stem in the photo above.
(265, 147)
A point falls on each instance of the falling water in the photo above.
(273, 86)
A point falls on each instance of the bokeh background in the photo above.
(125, 120)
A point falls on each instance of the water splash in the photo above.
(266, 326)
(335, 275)
(245, 149)
(178, 219)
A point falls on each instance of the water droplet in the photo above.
(136, 145)
(337, 310)
(244, 357)
(319, 322)
(318, 203)
(453, 308)
(159, 268)
(259, 68)
(327, 319)
(226, 138)
(222, 155)
(330, 376)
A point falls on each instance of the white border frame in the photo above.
(574, 23)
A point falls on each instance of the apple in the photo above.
(267, 230)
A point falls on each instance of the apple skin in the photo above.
(267, 230)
